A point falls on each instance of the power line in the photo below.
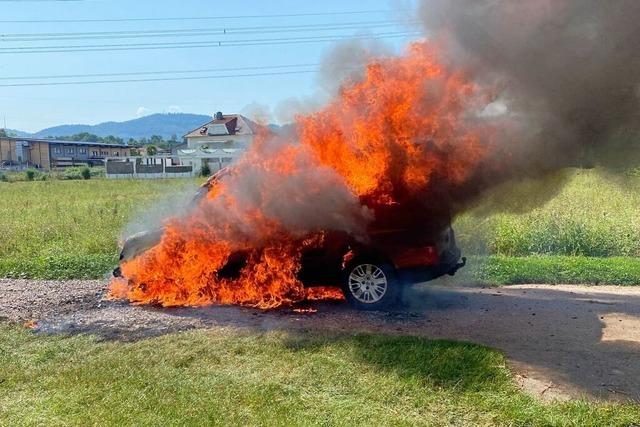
(142, 73)
(192, 32)
(187, 30)
(198, 44)
(196, 18)
(160, 79)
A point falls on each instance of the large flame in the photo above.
(399, 134)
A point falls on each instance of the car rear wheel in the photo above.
(370, 285)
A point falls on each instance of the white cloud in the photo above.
(174, 109)
(142, 111)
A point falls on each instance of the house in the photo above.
(217, 144)
(47, 154)
(221, 141)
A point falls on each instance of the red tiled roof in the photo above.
(233, 123)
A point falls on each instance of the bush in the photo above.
(72, 173)
(98, 171)
(30, 174)
(206, 170)
(85, 173)
(3, 177)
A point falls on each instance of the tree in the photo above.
(152, 150)
(82, 136)
(112, 140)
(3, 133)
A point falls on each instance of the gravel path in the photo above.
(561, 341)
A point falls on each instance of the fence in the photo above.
(134, 169)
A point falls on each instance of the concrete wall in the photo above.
(120, 168)
(150, 169)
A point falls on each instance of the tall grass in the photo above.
(592, 214)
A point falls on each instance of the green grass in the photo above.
(96, 172)
(574, 212)
(223, 377)
(58, 267)
(505, 270)
(68, 229)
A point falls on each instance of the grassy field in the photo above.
(574, 212)
(549, 269)
(70, 229)
(578, 226)
(223, 376)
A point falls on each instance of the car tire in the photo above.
(371, 285)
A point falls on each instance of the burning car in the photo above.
(371, 272)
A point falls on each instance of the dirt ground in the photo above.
(561, 341)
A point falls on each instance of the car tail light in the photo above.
(417, 257)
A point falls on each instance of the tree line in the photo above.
(155, 140)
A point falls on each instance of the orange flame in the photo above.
(387, 137)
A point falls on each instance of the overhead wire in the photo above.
(159, 79)
(13, 37)
(197, 44)
(194, 18)
(156, 72)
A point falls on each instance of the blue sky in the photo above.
(34, 108)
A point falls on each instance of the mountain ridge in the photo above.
(163, 124)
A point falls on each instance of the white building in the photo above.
(217, 143)
(221, 141)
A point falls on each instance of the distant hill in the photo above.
(164, 125)
(14, 132)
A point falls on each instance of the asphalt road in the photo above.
(561, 341)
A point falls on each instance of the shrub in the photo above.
(72, 173)
(98, 171)
(3, 177)
(85, 173)
(30, 174)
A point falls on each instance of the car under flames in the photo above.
(372, 273)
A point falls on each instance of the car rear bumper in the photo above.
(449, 263)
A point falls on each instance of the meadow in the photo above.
(576, 212)
(70, 229)
(577, 226)
(225, 376)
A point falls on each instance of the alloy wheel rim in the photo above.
(368, 283)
